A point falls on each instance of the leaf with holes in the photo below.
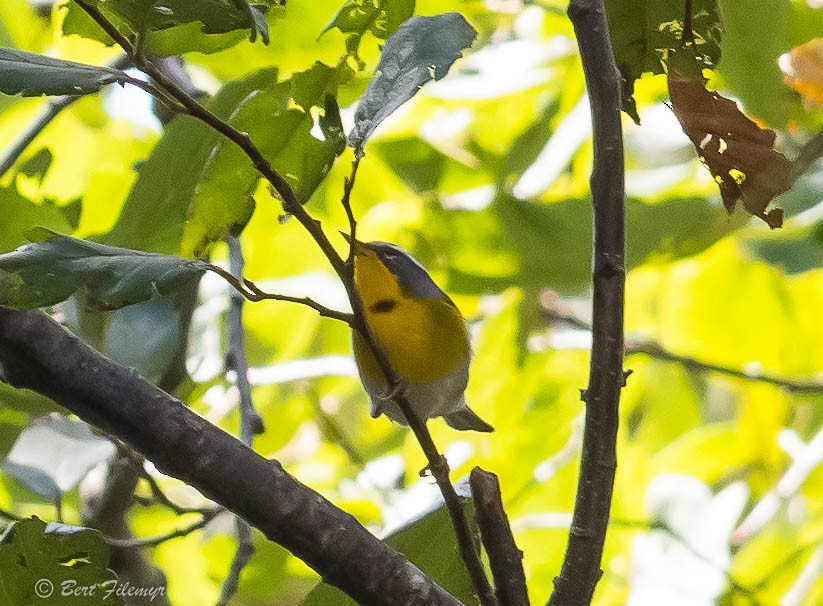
(739, 154)
(40, 561)
(380, 18)
(53, 267)
(644, 31)
(423, 49)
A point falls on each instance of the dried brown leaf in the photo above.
(739, 154)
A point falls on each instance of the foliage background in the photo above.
(484, 178)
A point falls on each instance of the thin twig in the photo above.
(688, 27)
(348, 186)
(436, 462)
(174, 534)
(242, 555)
(581, 565)
(107, 27)
(654, 350)
(251, 292)
(251, 423)
(161, 498)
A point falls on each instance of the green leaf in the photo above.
(27, 401)
(21, 214)
(158, 320)
(52, 268)
(168, 178)
(41, 562)
(277, 117)
(380, 17)
(429, 543)
(422, 49)
(528, 232)
(796, 250)
(31, 75)
(178, 26)
(644, 31)
(751, 46)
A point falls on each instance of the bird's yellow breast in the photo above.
(425, 339)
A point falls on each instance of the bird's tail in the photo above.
(465, 419)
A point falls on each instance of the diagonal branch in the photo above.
(581, 565)
(37, 353)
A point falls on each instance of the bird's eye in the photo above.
(383, 306)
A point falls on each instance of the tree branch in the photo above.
(250, 291)
(37, 353)
(436, 462)
(581, 565)
(174, 534)
(505, 559)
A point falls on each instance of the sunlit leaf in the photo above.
(739, 154)
(20, 214)
(31, 75)
(50, 269)
(422, 49)
(751, 46)
(278, 118)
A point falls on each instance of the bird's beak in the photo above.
(359, 247)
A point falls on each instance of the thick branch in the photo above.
(37, 353)
(581, 566)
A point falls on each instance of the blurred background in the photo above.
(483, 176)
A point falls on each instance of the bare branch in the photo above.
(505, 558)
(174, 534)
(581, 565)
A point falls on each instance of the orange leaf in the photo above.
(739, 154)
(803, 70)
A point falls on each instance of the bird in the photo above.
(422, 333)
